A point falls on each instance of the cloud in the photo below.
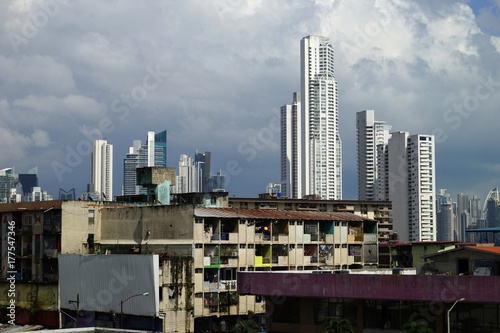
(226, 69)
(40, 138)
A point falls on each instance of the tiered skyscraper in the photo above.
(102, 171)
(311, 149)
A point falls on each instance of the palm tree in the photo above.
(336, 325)
(246, 326)
(416, 327)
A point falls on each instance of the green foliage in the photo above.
(248, 325)
(336, 325)
(416, 327)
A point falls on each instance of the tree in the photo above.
(246, 326)
(336, 325)
(416, 327)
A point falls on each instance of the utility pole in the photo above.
(77, 307)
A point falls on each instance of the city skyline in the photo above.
(216, 83)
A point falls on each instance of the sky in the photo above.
(215, 73)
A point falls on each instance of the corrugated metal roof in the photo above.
(277, 214)
(487, 249)
(30, 206)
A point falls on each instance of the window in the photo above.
(91, 217)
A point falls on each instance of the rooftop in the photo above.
(277, 214)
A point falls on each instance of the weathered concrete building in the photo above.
(201, 245)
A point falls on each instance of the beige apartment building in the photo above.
(201, 246)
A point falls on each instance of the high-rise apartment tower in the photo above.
(411, 175)
(102, 170)
(291, 149)
(371, 134)
(322, 147)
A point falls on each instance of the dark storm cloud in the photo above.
(215, 73)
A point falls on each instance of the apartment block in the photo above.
(201, 247)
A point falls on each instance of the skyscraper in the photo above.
(7, 179)
(153, 153)
(411, 174)
(102, 170)
(321, 144)
(160, 144)
(202, 166)
(218, 182)
(371, 134)
(130, 164)
(291, 153)
(186, 179)
(445, 217)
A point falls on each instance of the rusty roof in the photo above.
(273, 214)
(30, 206)
(488, 249)
(481, 248)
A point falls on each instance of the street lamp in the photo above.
(449, 310)
(123, 301)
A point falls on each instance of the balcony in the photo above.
(262, 261)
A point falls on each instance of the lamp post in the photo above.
(123, 301)
(449, 310)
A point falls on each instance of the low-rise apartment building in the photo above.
(201, 245)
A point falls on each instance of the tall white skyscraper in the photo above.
(411, 175)
(322, 147)
(102, 170)
(370, 135)
(291, 152)
(186, 181)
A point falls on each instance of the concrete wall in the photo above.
(366, 286)
(178, 294)
(141, 225)
(32, 301)
(75, 226)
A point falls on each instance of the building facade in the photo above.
(102, 170)
(291, 149)
(411, 185)
(321, 143)
(370, 135)
(380, 211)
(201, 246)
